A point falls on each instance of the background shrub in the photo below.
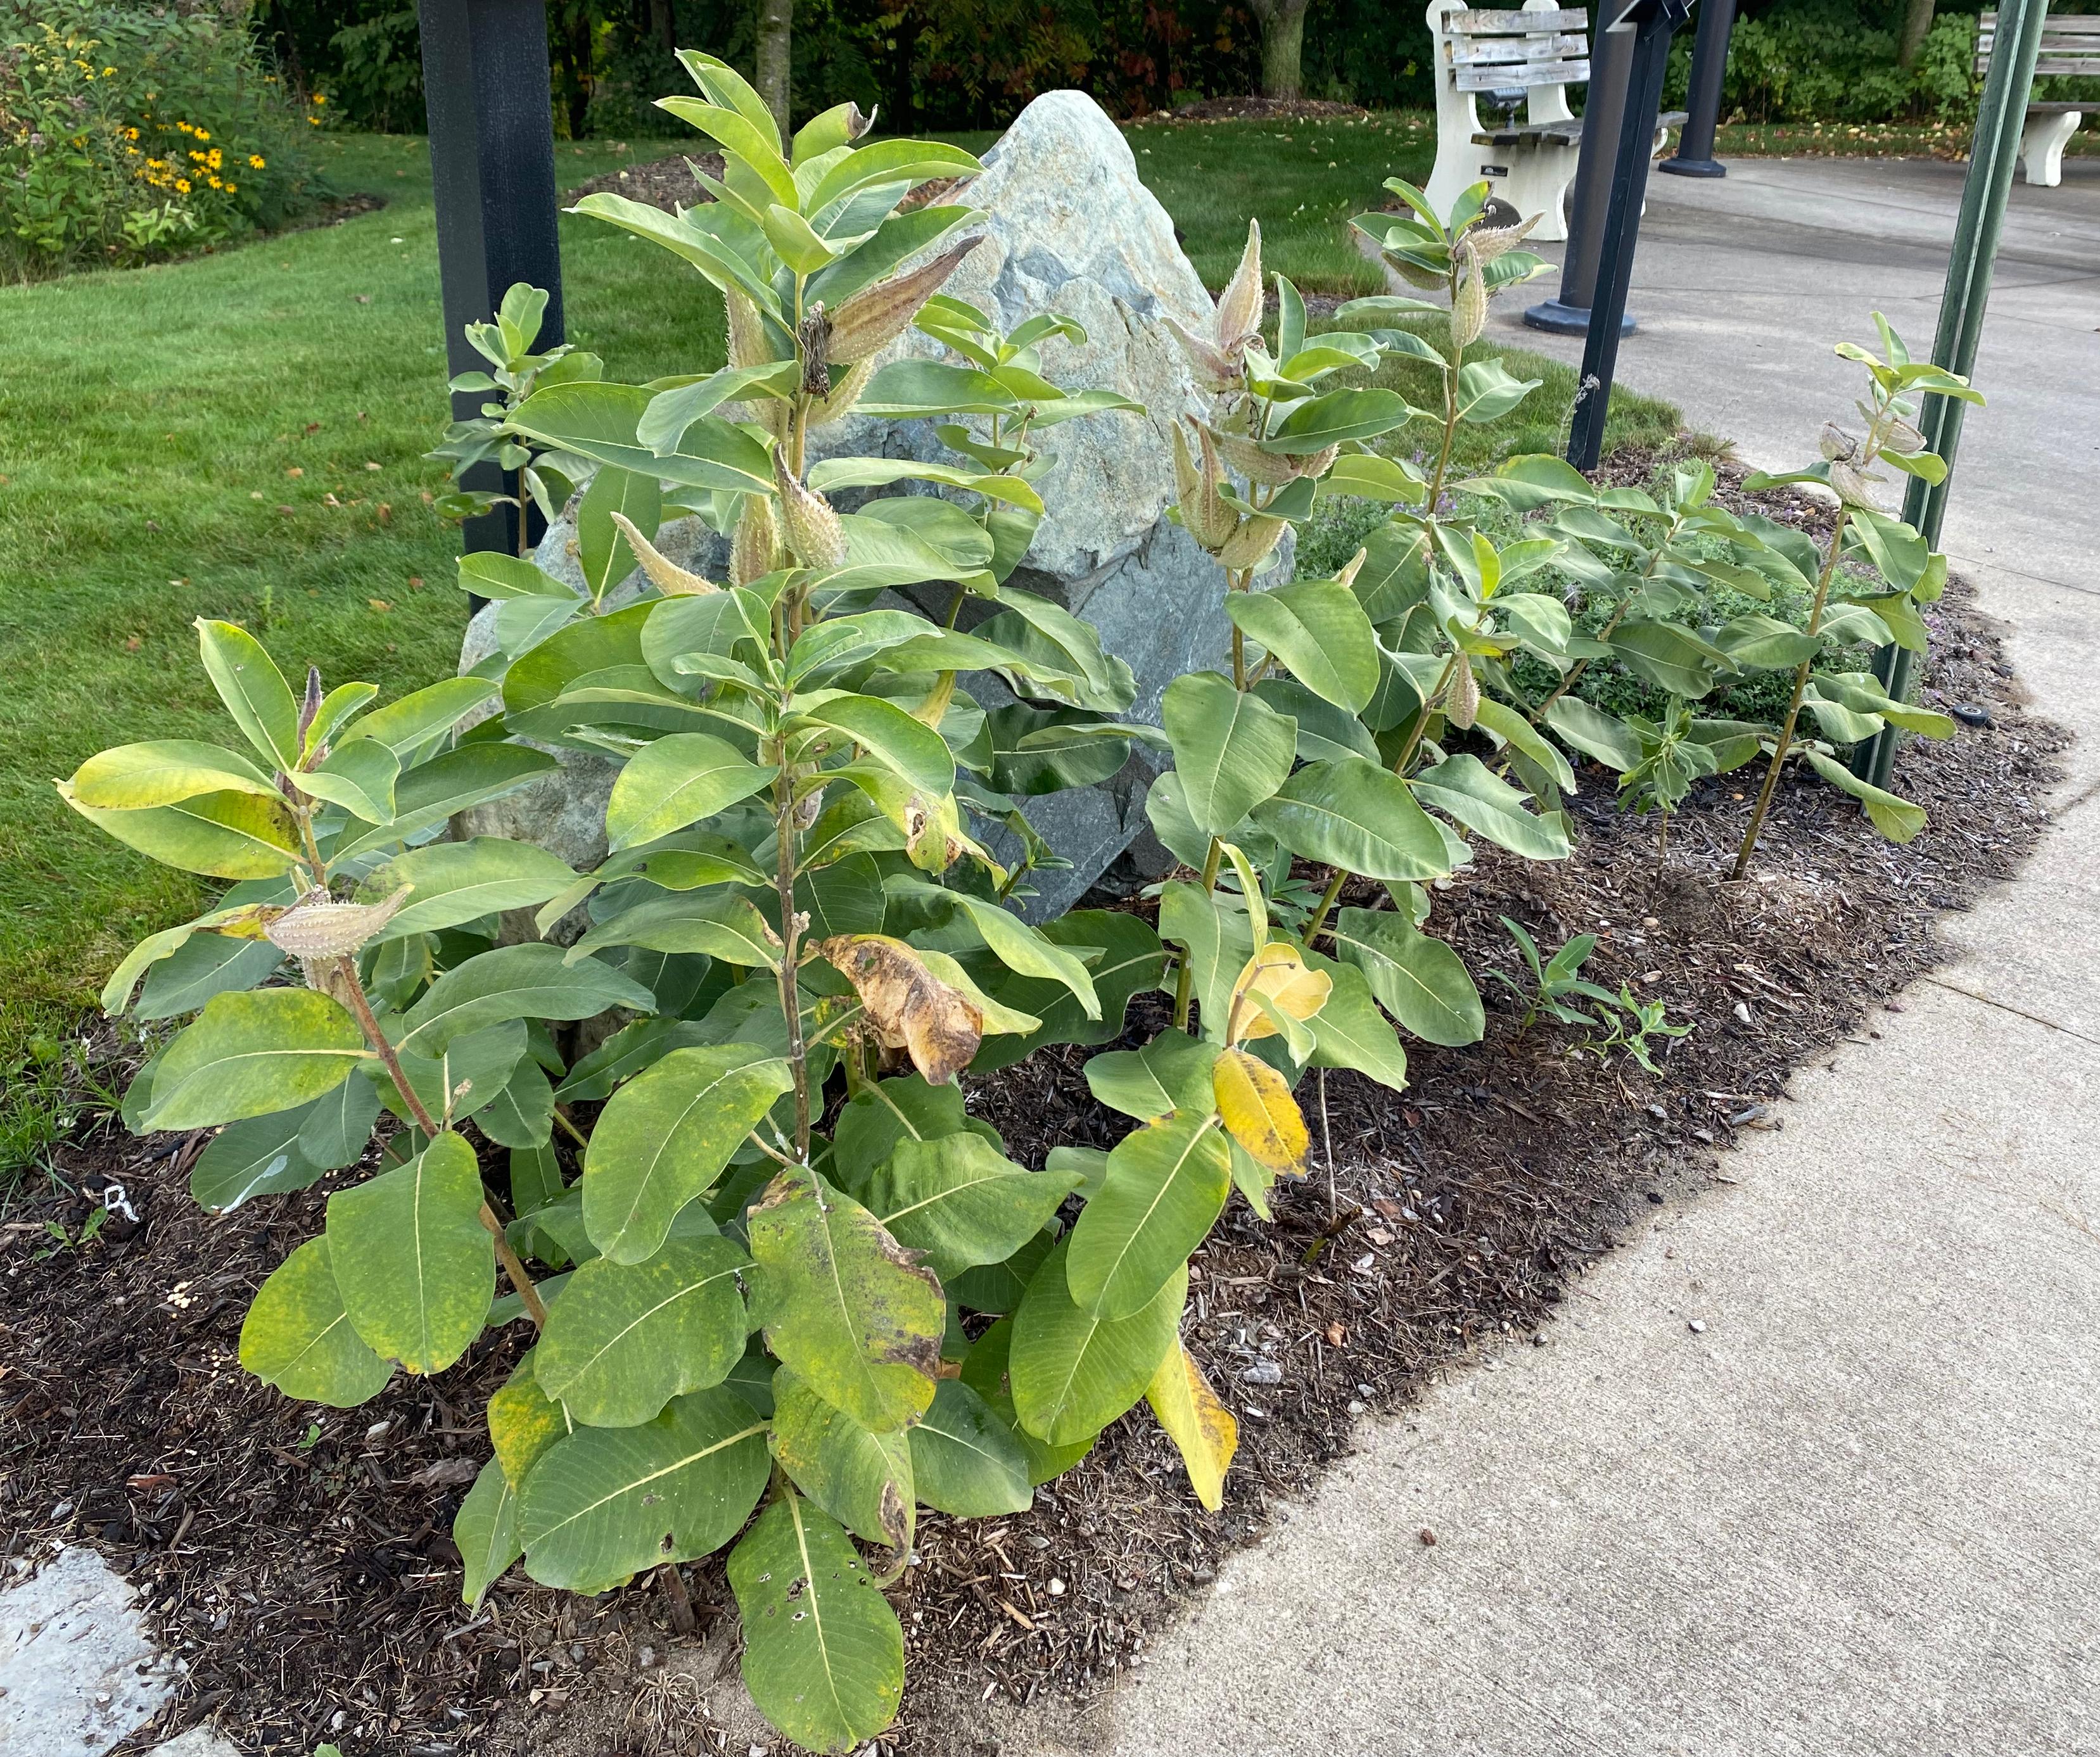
(129, 132)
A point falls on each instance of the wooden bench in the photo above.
(2070, 50)
(1539, 50)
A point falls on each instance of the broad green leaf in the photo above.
(1488, 390)
(881, 1116)
(253, 690)
(1318, 422)
(251, 1054)
(1231, 750)
(964, 1461)
(984, 1371)
(1417, 978)
(205, 964)
(1018, 946)
(1358, 816)
(1319, 633)
(491, 574)
(1170, 1073)
(843, 1304)
(719, 924)
(1166, 1186)
(909, 748)
(450, 782)
(863, 1480)
(1896, 819)
(1510, 729)
(1765, 643)
(520, 1113)
(823, 1653)
(524, 1423)
(1464, 789)
(359, 776)
(997, 1287)
(961, 1201)
(608, 1504)
(416, 1265)
(1595, 734)
(468, 1074)
(529, 981)
(625, 1054)
(1201, 1427)
(453, 882)
(1072, 1373)
(1325, 732)
(339, 1124)
(677, 781)
(1037, 751)
(259, 1155)
(1350, 1032)
(1131, 960)
(600, 422)
(485, 1533)
(602, 550)
(1669, 657)
(665, 1137)
(297, 1337)
(221, 835)
(402, 726)
(164, 771)
(625, 1339)
(1216, 937)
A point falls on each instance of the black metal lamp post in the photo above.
(1694, 156)
(486, 83)
(1654, 22)
(1604, 107)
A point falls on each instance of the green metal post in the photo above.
(2000, 115)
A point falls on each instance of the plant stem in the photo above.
(791, 1006)
(1575, 671)
(1421, 723)
(1326, 902)
(1183, 979)
(1792, 707)
(512, 1266)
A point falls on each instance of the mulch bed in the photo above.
(304, 1573)
(1252, 109)
(667, 183)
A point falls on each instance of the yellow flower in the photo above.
(182, 128)
(130, 134)
(182, 185)
(320, 98)
(204, 133)
(109, 72)
(214, 160)
(254, 164)
(231, 188)
(315, 119)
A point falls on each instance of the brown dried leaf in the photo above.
(938, 1026)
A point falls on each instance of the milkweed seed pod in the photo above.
(814, 336)
(1493, 235)
(310, 706)
(1316, 464)
(812, 529)
(1265, 469)
(1836, 444)
(1239, 306)
(747, 347)
(754, 548)
(1204, 513)
(1462, 701)
(876, 316)
(845, 392)
(1249, 545)
(664, 573)
(317, 927)
(1351, 568)
(1850, 486)
(1469, 299)
(1903, 438)
(857, 124)
(1212, 369)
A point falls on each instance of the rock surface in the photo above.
(1070, 227)
(78, 1670)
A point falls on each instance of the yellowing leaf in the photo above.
(1259, 1111)
(1278, 971)
(1197, 1422)
(523, 1421)
(911, 1007)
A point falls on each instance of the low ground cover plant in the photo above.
(127, 133)
(696, 1101)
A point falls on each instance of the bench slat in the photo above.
(1521, 73)
(1501, 49)
(1510, 22)
(2057, 67)
(2066, 23)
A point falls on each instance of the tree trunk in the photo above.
(1282, 47)
(776, 25)
(1917, 24)
(660, 25)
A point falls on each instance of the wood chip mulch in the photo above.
(297, 1561)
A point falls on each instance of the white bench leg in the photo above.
(1539, 180)
(2042, 143)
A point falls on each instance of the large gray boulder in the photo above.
(1070, 227)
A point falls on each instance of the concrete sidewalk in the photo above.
(1858, 1513)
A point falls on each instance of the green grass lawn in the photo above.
(239, 435)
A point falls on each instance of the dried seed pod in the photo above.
(1249, 545)
(845, 392)
(1469, 299)
(316, 927)
(664, 573)
(754, 551)
(857, 124)
(1316, 464)
(877, 316)
(1903, 438)
(1836, 444)
(1498, 229)
(1204, 513)
(1238, 318)
(812, 335)
(1462, 701)
(1852, 486)
(812, 529)
(1213, 370)
(1244, 455)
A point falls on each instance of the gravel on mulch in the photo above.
(298, 1559)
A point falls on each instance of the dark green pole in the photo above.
(2000, 115)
